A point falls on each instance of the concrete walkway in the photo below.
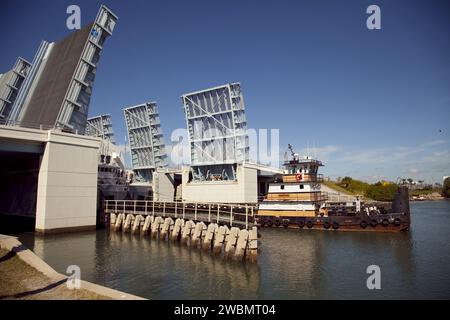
(23, 275)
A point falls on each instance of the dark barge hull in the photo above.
(398, 219)
(380, 223)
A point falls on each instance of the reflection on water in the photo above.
(292, 264)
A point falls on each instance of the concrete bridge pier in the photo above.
(219, 239)
(119, 222)
(166, 228)
(209, 236)
(252, 247)
(112, 220)
(199, 229)
(231, 241)
(177, 228)
(147, 224)
(187, 231)
(241, 244)
(137, 224)
(156, 226)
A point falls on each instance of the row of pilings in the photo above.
(228, 242)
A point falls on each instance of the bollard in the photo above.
(147, 224)
(252, 246)
(219, 238)
(137, 224)
(241, 245)
(176, 232)
(209, 236)
(187, 231)
(231, 241)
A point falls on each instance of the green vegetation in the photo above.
(422, 192)
(335, 185)
(446, 188)
(380, 191)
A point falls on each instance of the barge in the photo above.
(295, 200)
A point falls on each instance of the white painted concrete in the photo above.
(67, 182)
(244, 190)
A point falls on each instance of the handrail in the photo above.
(237, 214)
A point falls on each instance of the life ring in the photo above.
(301, 224)
(335, 225)
(373, 223)
(326, 225)
(385, 222)
(397, 222)
(298, 177)
(309, 224)
(363, 224)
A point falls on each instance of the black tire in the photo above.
(397, 222)
(310, 224)
(301, 224)
(277, 223)
(262, 223)
(269, 223)
(335, 225)
(363, 224)
(385, 222)
(326, 225)
(373, 223)
(285, 224)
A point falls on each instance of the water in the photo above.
(292, 264)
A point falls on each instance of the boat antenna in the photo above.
(291, 150)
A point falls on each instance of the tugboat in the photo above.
(295, 200)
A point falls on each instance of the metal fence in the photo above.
(239, 215)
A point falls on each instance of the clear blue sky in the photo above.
(372, 102)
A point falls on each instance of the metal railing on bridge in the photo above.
(238, 215)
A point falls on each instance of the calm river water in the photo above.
(292, 264)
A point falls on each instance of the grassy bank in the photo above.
(380, 191)
(18, 280)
